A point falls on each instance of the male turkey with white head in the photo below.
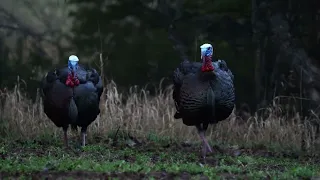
(203, 93)
(71, 96)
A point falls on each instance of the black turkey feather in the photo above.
(71, 96)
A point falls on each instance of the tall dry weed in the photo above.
(141, 114)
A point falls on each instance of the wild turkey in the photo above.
(71, 96)
(203, 93)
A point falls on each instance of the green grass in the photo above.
(154, 159)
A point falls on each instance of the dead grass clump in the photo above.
(142, 114)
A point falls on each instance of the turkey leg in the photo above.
(65, 136)
(83, 136)
(205, 145)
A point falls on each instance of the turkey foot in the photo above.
(205, 145)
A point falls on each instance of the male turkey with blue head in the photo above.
(71, 96)
(203, 93)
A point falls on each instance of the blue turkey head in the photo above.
(73, 63)
(206, 50)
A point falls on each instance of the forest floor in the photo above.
(133, 159)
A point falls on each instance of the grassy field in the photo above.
(151, 144)
(150, 159)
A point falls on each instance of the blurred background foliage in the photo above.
(267, 44)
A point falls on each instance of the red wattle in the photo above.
(72, 80)
(207, 65)
(68, 82)
(76, 81)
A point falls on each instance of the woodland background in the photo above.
(271, 46)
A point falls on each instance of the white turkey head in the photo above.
(206, 50)
(73, 62)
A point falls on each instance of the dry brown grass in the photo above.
(142, 114)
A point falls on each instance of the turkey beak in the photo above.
(73, 67)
